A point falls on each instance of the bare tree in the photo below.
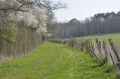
(99, 23)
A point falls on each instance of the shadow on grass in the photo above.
(105, 66)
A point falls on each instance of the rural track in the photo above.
(54, 61)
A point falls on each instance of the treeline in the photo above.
(23, 25)
(98, 24)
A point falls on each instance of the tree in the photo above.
(36, 13)
(99, 23)
(23, 24)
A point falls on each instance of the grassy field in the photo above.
(104, 37)
(56, 61)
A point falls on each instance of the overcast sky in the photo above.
(81, 9)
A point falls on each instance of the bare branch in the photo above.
(11, 8)
(16, 7)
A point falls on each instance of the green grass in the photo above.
(104, 37)
(56, 61)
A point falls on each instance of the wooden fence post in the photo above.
(93, 46)
(106, 52)
(114, 49)
(99, 47)
(89, 49)
(93, 53)
(89, 45)
(118, 65)
(113, 62)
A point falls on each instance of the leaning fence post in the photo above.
(106, 52)
(93, 53)
(113, 62)
(118, 65)
(91, 44)
(114, 49)
(99, 47)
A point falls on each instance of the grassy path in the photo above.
(55, 61)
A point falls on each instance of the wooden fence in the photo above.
(100, 50)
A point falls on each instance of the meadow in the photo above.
(104, 37)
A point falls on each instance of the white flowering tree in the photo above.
(23, 24)
(37, 14)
